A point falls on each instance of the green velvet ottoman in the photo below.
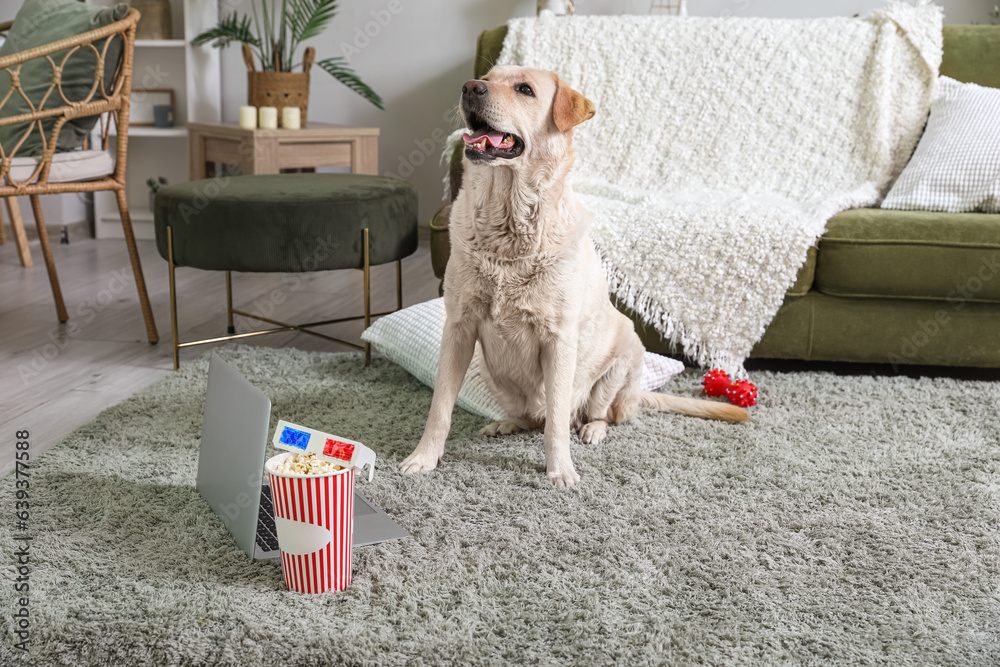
(285, 223)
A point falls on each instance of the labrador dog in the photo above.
(525, 281)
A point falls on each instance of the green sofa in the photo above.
(881, 286)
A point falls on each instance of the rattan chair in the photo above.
(38, 179)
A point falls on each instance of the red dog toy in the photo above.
(742, 393)
(716, 382)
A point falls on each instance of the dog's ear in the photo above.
(569, 108)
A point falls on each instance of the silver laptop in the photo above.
(231, 477)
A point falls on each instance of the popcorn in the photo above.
(306, 464)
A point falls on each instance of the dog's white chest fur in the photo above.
(514, 269)
(506, 288)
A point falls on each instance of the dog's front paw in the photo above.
(594, 433)
(503, 427)
(563, 479)
(418, 462)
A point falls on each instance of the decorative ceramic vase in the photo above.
(279, 89)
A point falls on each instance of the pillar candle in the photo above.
(248, 118)
(291, 118)
(268, 118)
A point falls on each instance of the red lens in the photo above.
(338, 450)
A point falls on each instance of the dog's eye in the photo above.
(525, 89)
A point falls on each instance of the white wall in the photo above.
(420, 58)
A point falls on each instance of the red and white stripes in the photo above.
(322, 500)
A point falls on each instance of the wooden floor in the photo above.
(56, 377)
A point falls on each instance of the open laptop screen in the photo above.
(233, 447)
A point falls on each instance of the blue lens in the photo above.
(294, 438)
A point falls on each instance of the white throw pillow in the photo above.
(956, 166)
(412, 339)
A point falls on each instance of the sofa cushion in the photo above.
(807, 275)
(912, 255)
(956, 166)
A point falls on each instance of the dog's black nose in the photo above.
(474, 87)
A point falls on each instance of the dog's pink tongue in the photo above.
(495, 138)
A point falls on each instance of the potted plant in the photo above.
(272, 37)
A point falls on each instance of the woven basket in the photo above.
(279, 89)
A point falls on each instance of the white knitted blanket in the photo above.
(721, 146)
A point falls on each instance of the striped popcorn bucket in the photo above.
(314, 516)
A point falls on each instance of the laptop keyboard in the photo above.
(267, 535)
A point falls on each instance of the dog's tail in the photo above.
(693, 406)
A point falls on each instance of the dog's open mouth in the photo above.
(486, 143)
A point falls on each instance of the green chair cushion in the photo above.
(911, 255)
(41, 22)
(287, 222)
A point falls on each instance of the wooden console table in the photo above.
(270, 151)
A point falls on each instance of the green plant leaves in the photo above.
(309, 18)
(337, 68)
(233, 28)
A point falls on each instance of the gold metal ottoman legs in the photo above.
(279, 326)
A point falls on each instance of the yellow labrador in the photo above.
(524, 280)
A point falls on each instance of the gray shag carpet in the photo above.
(853, 521)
